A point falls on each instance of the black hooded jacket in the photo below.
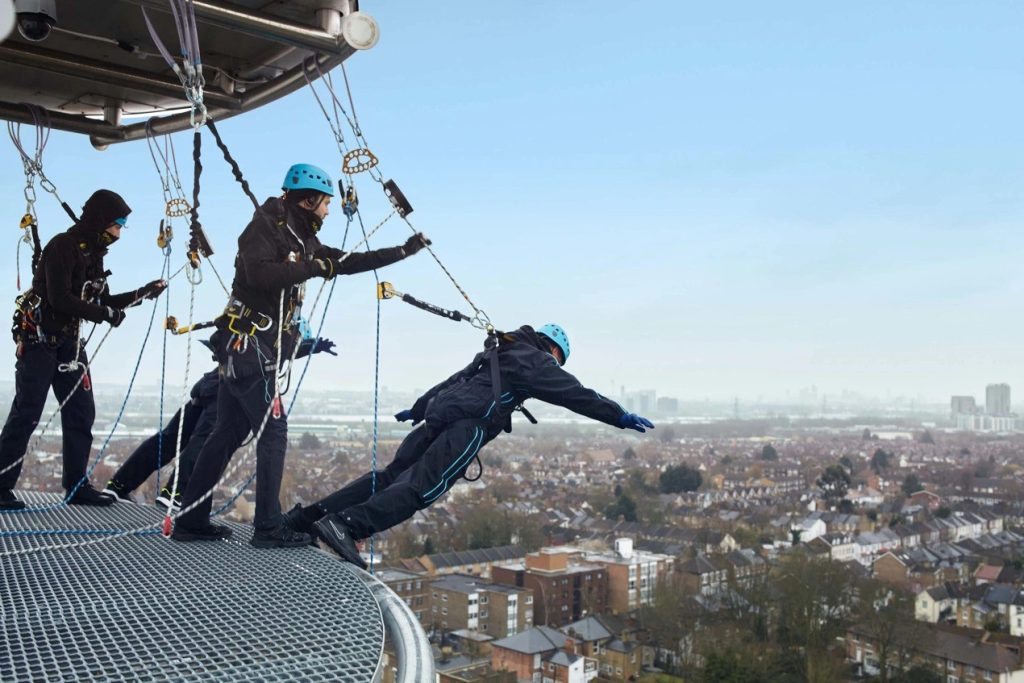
(73, 258)
(276, 253)
(528, 370)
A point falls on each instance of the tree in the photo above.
(623, 506)
(880, 460)
(888, 615)
(310, 442)
(866, 434)
(834, 482)
(911, 485)
(769, 452)
(629, 454)
(679, 478)
(926, 438)
(428, 546)
(846, 463)
(667, 434)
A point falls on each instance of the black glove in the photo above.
(324, 267)
(325, 346)
(114, 316)
(415, 243)
(152, 290)
(403, 415)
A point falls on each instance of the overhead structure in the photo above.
(97, 71)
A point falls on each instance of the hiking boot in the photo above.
(9, 502)
(207, 532)
(118, 490)
(167, 500)
(281, 536)
(333, 531)
(87, 495)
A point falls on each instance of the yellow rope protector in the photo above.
(386, 291)
(26, 221)
(357, 161)
(165, 233)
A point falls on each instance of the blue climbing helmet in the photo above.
(308, 177)
(556, 334)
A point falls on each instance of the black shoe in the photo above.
(332, 530)
(87, 495)
(281, 536)
(207, 532)
(9, 502)
(118, 490)
(301, 518)
(167, 500)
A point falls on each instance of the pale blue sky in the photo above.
(714, 199)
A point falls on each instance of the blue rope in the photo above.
(376, 390)
(163, 374)
(106, 442)
(76, 532)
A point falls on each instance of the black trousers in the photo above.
(241, 405)
(197, 424)
(35, 373)
(428, 463)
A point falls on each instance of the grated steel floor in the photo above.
(145, 608)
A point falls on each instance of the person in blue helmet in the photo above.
(196, 420)
(460, 415)
(277, 252)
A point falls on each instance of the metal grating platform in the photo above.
(144, 608)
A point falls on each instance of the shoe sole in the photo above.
(326, 538)
(166, 502)
(92, 504)
(12, 506)
(118, 498)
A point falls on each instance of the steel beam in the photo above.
(284, 84)
(226, 15)
(71, 123)
(34, 57)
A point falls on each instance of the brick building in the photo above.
(460, 602)
(565, 586)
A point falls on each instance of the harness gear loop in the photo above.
(358, 160)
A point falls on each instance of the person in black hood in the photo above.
(277, 252)
(68, 285)
(460, 415)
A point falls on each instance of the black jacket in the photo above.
(73, 258)
(276, 254)
(527, 371)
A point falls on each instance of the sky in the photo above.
(713, 199)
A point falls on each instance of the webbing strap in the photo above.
(235, 170)
(196, 227)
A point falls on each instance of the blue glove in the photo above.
(324, 345)
(634, 421)
(404, 416)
